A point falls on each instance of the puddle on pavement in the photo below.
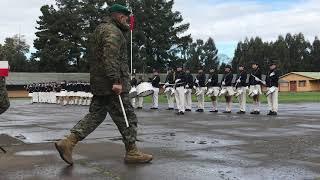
(34, 153)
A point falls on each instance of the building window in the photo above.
(302, 83)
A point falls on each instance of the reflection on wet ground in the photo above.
(194, 146)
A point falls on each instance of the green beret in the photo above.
(117, 8)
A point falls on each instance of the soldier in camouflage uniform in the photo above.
(4, 100)
(109, 76)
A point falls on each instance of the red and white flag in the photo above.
(131, 22)
(4, 68)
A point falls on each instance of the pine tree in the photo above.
(210, 55)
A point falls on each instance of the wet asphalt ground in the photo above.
(195, 146)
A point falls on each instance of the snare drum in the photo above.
(144, 89)
(271, 90)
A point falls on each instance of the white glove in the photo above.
(238, 81)
(272, 74)
(194, 87)
(178, 80)
(223, 83)
(187, 86)
(197, 81)
(166, 84)
(257, 79)
(209, 80)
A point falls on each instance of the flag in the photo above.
(4, 68)
(131, 23)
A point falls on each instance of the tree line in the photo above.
(159, 41)
(291, 53)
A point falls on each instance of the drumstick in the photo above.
(123, 111)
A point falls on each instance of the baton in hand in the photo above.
(123, 111)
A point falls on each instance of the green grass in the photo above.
(284, 97)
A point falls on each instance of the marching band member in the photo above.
(133, 83)
(200, 86)
(241, 88)
(188, 89)
(140, 99)
(227, 83)
(180, 80)
(170, 95)
(255, 87)
(155, 84)
(272, 82)
(213, 88)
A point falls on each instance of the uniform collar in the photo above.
(108, 19)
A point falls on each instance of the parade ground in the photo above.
(196, 146)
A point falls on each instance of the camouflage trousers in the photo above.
(99, 108)
(4, 100)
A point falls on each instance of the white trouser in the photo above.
(273, 100)
(35, 97)
(140, 102)
(200, 98)
(170, 99)
(256, 105)
(215, 104)
(188, 100)
(180, 98)
(155, 97)
(133, 102)
(242, 98)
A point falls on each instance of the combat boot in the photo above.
(65, 147)
(133, 155)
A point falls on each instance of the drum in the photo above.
(133, 92)
(169, 90)
(271, 90)
(223, 92)
(238, 92)
(198, 91)
(213, 91)
(144, 89)
(254, 92)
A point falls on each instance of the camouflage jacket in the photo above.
(108, 63)
(4, 100)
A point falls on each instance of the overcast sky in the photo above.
(227, 21)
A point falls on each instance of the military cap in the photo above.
(241, 65)
(272, 63)
(228, 66)
(254, 63)
(117, 8)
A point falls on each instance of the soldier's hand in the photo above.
(117, 88)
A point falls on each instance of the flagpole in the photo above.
(131, 54)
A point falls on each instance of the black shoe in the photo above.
(271, 113)
(255, 112)
(199, 110)
(180, 113)
(170, 109)
(227, 112)
(139, 107)
(241, 112)
(188, 110)
(154, 108)
(214, 111)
